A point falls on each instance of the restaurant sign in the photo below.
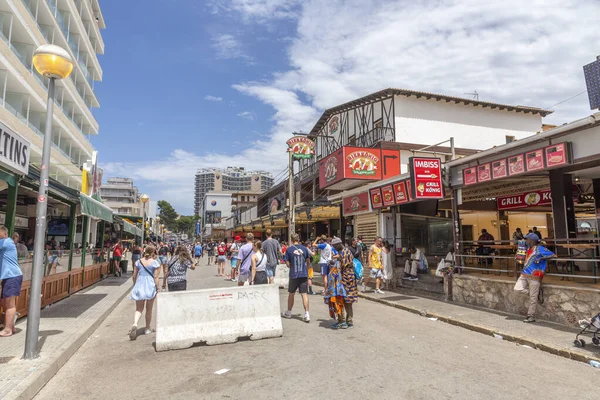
(426, 176)
(349, 167)
(301, 147)
(524, 200)
(556, 155)
(14, 151)
(356, 204)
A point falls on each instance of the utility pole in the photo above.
(291, 192)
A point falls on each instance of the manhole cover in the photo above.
(5, 360)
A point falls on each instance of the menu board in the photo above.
(387, 193)
(534, 160)
(376, 198)
(470, 176)
(557, 155)
(516, 165)
(499, 169)
(400, 192)
(483, 173)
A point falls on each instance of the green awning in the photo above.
(129, 228)
(95, 209)
(138, 231)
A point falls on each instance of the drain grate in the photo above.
(5, 360)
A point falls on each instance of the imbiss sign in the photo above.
(524, 200)
(14, 151)
(426, 176)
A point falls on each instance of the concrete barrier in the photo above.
(216, 316)
(282, 276)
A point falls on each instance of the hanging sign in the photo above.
(426, 177)
(301, 147)
(499, 169)
(387, 192)
(376, 198)
(534, 160)
(516, 165)
(14, 151)
(470, 176)
(483, 173)
(400, 192)
(558, 155)
(356, 204)
(524, 200)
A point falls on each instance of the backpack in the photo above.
(358, 269)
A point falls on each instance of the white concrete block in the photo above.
(282, 276)
(216, 316)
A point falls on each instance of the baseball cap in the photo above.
(336, 240)
(237, 238)
(532, 236)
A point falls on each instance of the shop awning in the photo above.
(95, 209)
(130, 228)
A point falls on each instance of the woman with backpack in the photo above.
(259, 265)
(177, 267)
(145, 287)
(221, 258)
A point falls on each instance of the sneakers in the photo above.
(363, 287)
(378, 291)
(406, 277)
(413, 278)
(287, 314)
(306, 317)
(350, 326)
(529, 319)
(133, 333)
(343, 325)
(233, 280)
(147, 331)
(336, 325)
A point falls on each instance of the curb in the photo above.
(30, 386)
(523, 341)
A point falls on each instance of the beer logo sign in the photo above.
(362, 163)
(301, 147)
(334, 124)
(331, 169)
(355, 203)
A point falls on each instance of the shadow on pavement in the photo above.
(73, 307)
(44, 335)
(398, 298)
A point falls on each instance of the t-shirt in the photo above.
(296, 255)
(539, 234)
(164, 250)
(198, 250)
(325, 253)
(244, 254)
(9, 265)
(177, 270)
(271, 248)
(118, 252)
(376, 257)
(222, 250)
(533, 264)
(234, 249)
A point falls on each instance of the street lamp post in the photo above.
(54, 63)
(145, 199)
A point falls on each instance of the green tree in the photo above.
(167, 214)
(186, 224)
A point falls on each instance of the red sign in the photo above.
(390, 163)
(409, 190)
(388, 196)
(331, 169)
(400, 192)
(557, 155)
(524, 200)
(426, 175)
(356, 204)
(499, 169)
(534, 160)
(483, 173)
(348, 166)
(470, 176)
(516, 165)
(362, 162)
(376, 198)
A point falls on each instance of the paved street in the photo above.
(390, 354)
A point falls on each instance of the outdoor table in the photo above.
(502, 247)
(579, 249)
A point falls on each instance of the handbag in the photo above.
(358, 269)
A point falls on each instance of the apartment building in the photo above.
(74, 25)
(122, 196)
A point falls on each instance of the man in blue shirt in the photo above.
(297, 258)
(197, 252)
(12, 279)
(533, 272)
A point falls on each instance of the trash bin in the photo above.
(123, 265)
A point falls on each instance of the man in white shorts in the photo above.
(245, 260)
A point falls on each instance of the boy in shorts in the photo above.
(297, 259)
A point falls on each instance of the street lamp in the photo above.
(144, 199)
(54, 63)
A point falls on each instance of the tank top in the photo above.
(261, 262)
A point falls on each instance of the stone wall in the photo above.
(565, 305)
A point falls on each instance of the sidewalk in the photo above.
(64, 327)
(545, 336)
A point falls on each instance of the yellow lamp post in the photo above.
(144, 199)
(54, 63)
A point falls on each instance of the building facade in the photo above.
(122, 196)
(228, 180)
(75, 26)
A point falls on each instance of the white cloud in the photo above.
(228, 47)
(249, 115)
(522, 53)
(208, 97)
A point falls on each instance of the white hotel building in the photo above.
(75, 26)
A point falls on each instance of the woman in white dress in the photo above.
(145, 284)
(388, 270)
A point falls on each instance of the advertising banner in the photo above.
(524, 200)
(14, 151)
(301, 147)
(376, 198)
(356, 204)
(426, 177)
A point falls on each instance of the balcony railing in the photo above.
(375, 136)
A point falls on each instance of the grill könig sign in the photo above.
(426, 177)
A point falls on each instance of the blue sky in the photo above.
(190, 84)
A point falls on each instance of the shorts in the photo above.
(376, 273)
(135, 258)
(311, 273)
(221, 259)
(300, 284)
(177, 286)
(52, 259)
(324, 269)
(162, 259)
(234, 262)
(260, 278)
(117, 259)
(271, 271)
(11, 287)
(243, 277)
(197, 255)
(211, 253)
